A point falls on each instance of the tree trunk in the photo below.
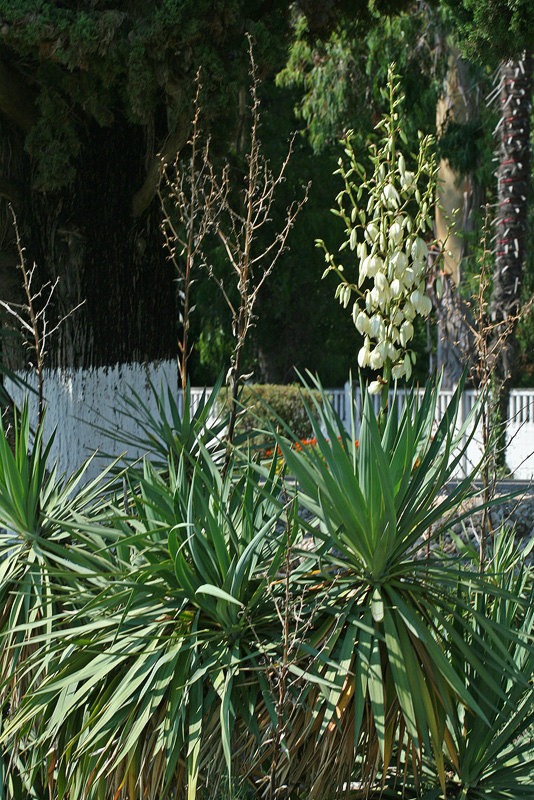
(87, 237)
(513, 177)
(459, 103)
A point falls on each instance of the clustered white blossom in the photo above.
(387, 237)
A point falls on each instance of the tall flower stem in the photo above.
(384, 395)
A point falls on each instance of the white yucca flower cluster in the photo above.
(387, 236)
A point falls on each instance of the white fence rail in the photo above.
(519, 429)
(80, 400)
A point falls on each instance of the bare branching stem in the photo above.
(489, 339)
(191, 201)
(252, 269)
(31, 317)
(197, 202)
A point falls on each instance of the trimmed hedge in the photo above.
(284, 401)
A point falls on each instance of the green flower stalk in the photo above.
(386, 219)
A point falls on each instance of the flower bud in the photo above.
(361, 250)
(375, 387)
(407, 366)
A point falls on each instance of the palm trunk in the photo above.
(514, 178)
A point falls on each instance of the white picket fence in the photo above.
(81, 401)
(519, 429)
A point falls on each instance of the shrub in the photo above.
(270, 404)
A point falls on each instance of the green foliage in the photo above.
(110, 63)
(339, 79)
(399, 614)
(492, 30)
(179, 643)
(173, 429)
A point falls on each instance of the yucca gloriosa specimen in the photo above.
(162, 677)
(391, 618)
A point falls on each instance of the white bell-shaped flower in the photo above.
(376, 360)
(376, 297)
(408, 310)
(390, 196)
(395, 233)
(427, 305)
(371, 232)
(393, 333)
(381, 282)
(408, 182)
(375, 326)
(406, 332)
(375, 265)
(392, 351)
(409, 277)
(398, 371)
(416, 299)
(419, 249)
(400, 262)
(364, 354)
(395, 288)
(419, 266)
(397, 318)
(362, 321)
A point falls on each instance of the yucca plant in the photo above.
(170, 429)
(394, 619)
(44, 570)
(160, 686)
(491, 756)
